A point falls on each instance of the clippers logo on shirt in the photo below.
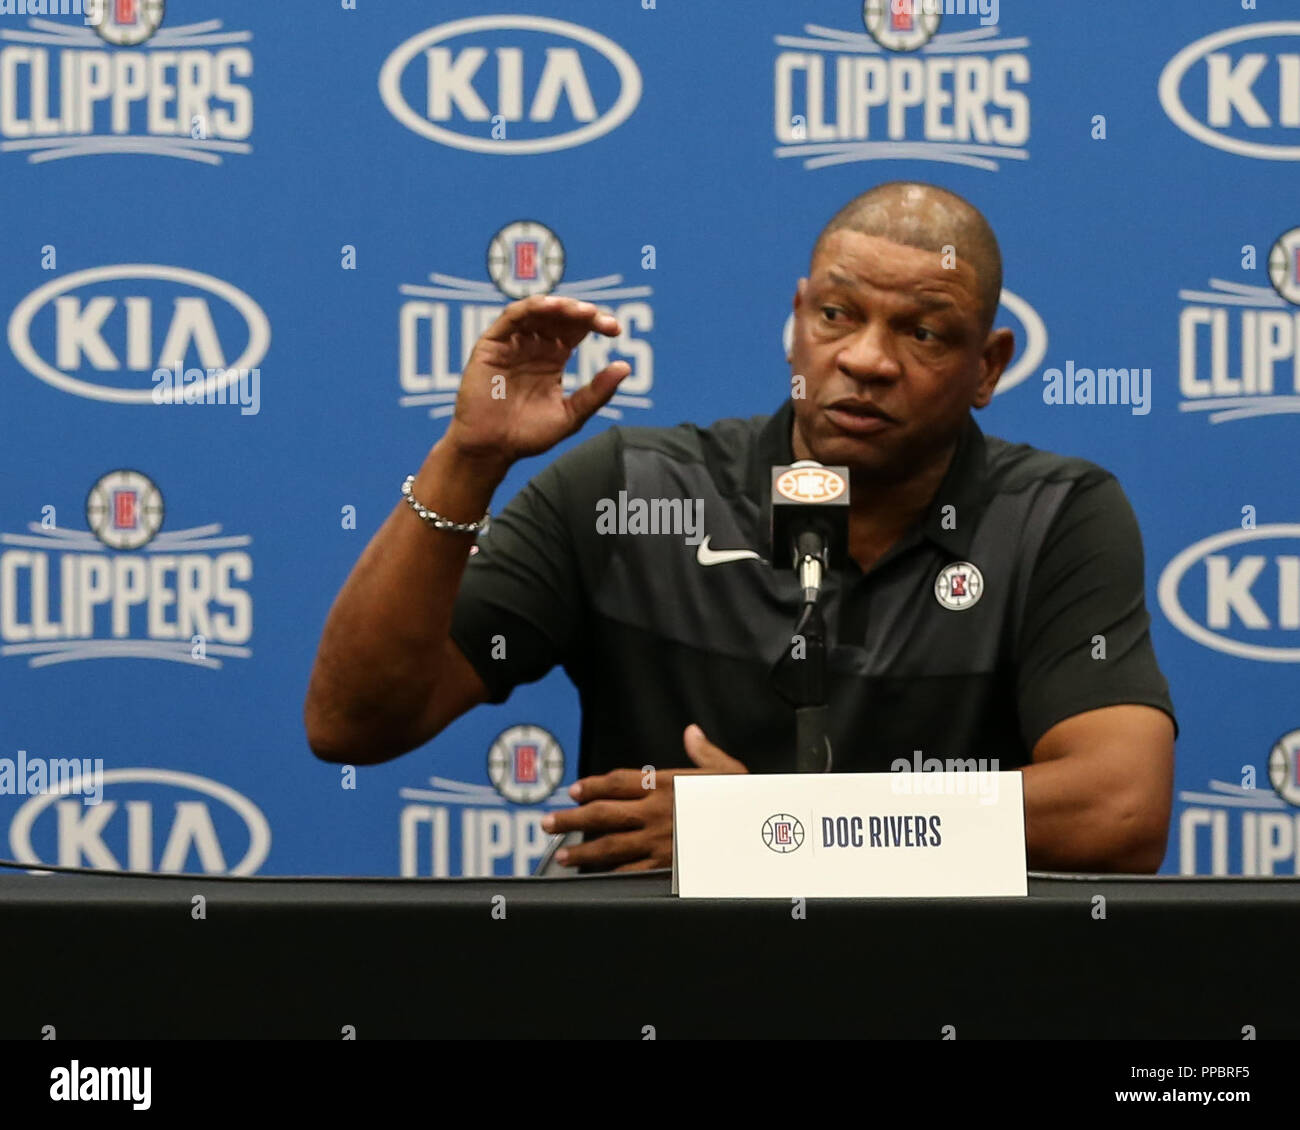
(959, 586)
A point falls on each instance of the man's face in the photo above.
(884, 327)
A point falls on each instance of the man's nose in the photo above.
(871, 354)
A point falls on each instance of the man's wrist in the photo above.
(457, 485)
(491, 466)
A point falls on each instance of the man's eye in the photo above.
(923, 334)
(828, 311)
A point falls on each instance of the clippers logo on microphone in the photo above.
(809, 516)
(959, 586)
(810, 484)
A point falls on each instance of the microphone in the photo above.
(809, 522)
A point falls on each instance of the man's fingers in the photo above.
(608, 851)
(598, 816)
(552, 316)
(647, 864)
(586, 401)
(708, 756)
(618, 784)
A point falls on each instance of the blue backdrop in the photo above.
(246, 247)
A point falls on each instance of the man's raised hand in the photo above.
(511, 403)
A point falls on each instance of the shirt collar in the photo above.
(962, 488)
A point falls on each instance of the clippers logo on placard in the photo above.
(783, 833)
(810, 484)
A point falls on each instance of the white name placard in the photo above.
(849, 835)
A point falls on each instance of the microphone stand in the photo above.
(812, 742)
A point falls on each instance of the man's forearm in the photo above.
(385, 635)
(1076, 821)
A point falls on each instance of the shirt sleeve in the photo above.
(1088, 582)
(523, 598)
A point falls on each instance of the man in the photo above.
(1044, 663)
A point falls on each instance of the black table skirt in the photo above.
(125, 957)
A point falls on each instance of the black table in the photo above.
(124, 957)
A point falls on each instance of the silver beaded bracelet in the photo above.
(437, 520)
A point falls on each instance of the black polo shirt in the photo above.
(655, 634)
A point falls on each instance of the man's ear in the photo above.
(998, 349)
(799, 289)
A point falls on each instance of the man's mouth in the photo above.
(860, 417)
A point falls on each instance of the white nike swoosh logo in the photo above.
(706, 556)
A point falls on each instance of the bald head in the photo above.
(930, 218)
